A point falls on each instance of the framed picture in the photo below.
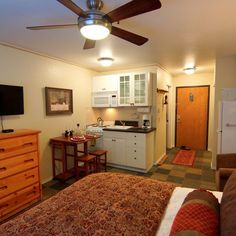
(58, 101)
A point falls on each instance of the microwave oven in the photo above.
(104, 99)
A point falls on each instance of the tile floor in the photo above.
(200, 175)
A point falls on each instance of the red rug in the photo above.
(184, 157)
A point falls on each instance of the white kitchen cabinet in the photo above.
(134, 89)
(128, 150)
(140, 150)
(114, 143)
(124, 91)
(106, 83)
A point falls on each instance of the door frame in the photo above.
(208, 105)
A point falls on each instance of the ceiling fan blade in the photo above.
(126, 35)
(73, 7)
(43, 27)
(89, 44)
(133, 8)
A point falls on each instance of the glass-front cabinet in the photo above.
(134, 89)
(140, 89)
(124, 90)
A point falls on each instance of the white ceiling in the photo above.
(181, 32)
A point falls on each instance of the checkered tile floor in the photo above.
(200, 175)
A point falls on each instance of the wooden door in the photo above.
(192, 109)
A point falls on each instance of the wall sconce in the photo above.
(106, 61)
(190, 70)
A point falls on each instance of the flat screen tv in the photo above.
(11, 100)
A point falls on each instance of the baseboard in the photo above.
(44, 181)
(161, 160)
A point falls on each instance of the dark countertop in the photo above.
(132, 130)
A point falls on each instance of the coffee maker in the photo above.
(146, 121)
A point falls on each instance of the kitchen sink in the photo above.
(119, 127)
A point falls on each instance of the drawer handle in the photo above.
(29, 160)
(28, 144)
(2, 149)
(31, 193)
(29, 177)
(3, 187)
(3, 206)
(3, 169)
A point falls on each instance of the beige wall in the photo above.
(197, 80)
(164, 81)
(34, 73)
(225, 77)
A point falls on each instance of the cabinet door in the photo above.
(108, 144)
(125, 90)
(116, 150)
(140, 89)
(105, 83)
(119, 151)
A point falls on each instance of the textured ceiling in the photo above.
(181, 32)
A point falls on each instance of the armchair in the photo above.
(225, 165)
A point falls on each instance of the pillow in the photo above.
(228, 207)
(198, 215)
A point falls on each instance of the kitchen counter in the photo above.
(131, 130)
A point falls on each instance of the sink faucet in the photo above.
(100, 121)
(122, 122)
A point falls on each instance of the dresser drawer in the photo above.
(18, 181)
(19, 199)
(18, 145)
(16, 164)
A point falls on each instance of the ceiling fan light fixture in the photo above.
(94, 26)
(95, 32)
(106, 61)
(189, 70)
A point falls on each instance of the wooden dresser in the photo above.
(19, 171)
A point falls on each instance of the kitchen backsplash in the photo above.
(121, 113)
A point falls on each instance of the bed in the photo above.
(104, 204)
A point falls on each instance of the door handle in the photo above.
(178, 118)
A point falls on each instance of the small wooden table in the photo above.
(62, 143)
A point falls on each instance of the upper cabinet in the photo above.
(134, 89)
(106, 83)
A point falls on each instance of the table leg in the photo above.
(64, 161)
(86, 148)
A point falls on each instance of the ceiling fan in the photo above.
(95, 25)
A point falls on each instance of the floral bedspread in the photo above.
(100, 204)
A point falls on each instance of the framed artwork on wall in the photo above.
(58, 101)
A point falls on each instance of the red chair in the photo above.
(85, 164)
(101, 159)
